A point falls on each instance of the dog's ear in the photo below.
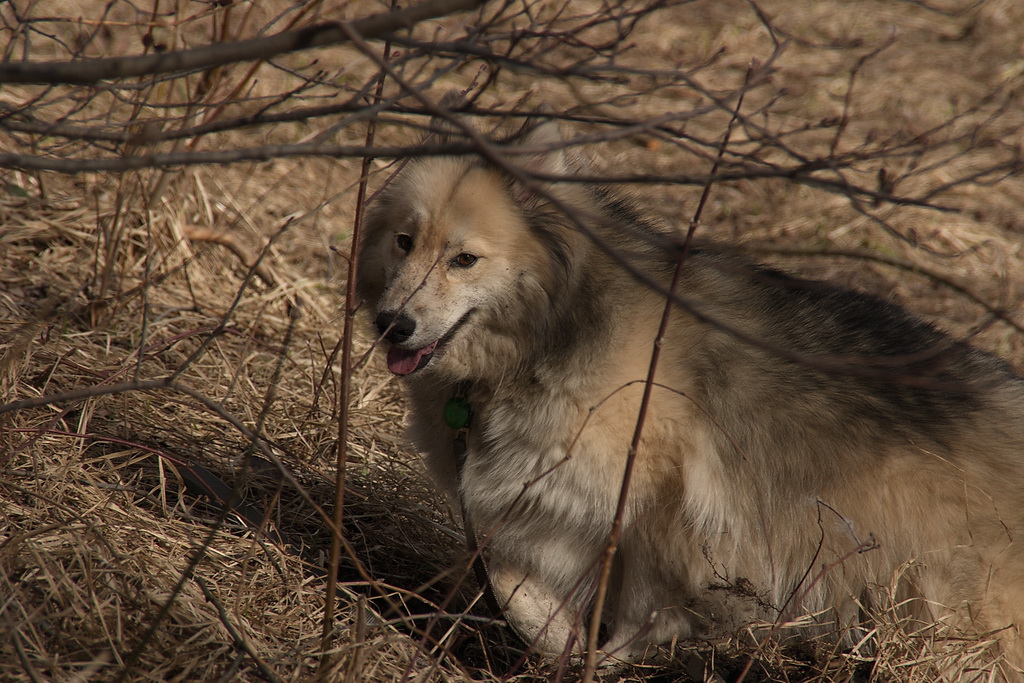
(548, 157)
(441, 129)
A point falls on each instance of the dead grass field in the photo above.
(114, 566)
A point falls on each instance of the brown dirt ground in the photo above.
(112, 567)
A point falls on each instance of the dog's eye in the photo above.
(464, 260)
(404, 242)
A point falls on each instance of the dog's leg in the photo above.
(645, 602)
(549, 623)
(638, 626)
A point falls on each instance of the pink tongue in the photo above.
(403, 361)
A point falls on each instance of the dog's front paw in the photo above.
(548, 623)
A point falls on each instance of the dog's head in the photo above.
(457, 262)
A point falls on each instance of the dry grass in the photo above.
(113, 567)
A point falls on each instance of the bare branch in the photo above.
(83, 72)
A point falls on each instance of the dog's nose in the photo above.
(396, 328)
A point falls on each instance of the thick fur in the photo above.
(806, 447)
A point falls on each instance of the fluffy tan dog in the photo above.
(792, 424)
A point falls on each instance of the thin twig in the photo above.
(604, 578)
(239, 639)
(344, 387)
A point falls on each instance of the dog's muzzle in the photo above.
(398, 328)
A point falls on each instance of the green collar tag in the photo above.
(456, 412)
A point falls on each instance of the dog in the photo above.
(806, 449)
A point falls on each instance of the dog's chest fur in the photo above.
(546, 461)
